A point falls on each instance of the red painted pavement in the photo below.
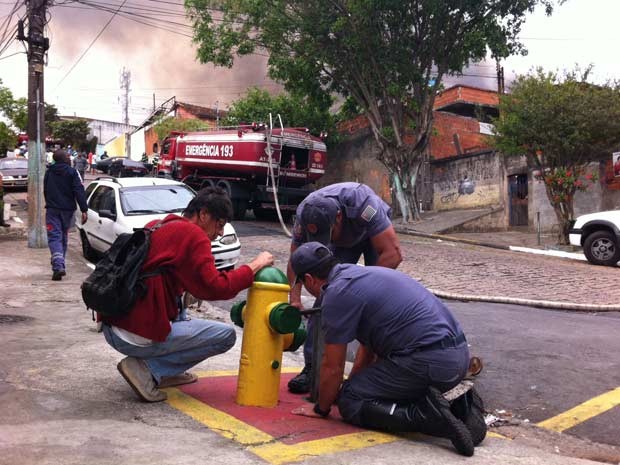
(219, 392)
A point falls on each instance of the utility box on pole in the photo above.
(37, 46)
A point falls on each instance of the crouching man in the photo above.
(159, 349)
(411, 350)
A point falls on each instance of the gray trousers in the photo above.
(403, 379)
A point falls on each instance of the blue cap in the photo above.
(318, 216)
(308, 257)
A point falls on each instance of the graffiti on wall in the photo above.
(467, 183)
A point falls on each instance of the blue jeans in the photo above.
(344, 255)
(189, 343)
(58, 223)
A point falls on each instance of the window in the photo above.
(90, 189)
(166, 148)
(13, 164)
(103, 199)
(155, 199)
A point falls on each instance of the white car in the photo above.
(599, 235)
(121, 205)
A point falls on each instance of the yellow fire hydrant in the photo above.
(270, 326)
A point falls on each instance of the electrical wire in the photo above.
(87, 48)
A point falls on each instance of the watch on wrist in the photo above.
(318, 411)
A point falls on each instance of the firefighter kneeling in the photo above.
(411, 350)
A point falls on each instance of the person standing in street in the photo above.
(159, 346)
(62, 188)
(411, 350)
(352, 220)
(81, 164)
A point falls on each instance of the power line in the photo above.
(89, 46)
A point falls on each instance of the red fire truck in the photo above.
(253, 163)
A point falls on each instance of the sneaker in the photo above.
(177, 380)
(301, 383)
(58, 274)
(469, 408)
(139, 377)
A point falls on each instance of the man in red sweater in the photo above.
(160, 348)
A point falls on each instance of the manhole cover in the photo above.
(6, 319)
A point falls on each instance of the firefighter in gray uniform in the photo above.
(411, 350)
(352, 221)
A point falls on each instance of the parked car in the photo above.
(14, 171)
(123, 167)
(599, 235)
(122, 205)
(104, 164)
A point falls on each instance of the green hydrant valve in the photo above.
(299, 337)
(270, 274)
(284, 318)
(236, 313)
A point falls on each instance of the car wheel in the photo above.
(89, 253)
(601, 248)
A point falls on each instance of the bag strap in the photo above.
(155, 227)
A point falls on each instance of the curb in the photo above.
(413, 232)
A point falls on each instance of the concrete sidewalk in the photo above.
(63, 401)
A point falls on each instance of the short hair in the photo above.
(60, 155)
(322, 271)
(213, 200)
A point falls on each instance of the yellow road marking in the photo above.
(278, 453)
(583, 412)
(264, 445)
(222, 423)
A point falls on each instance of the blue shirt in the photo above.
(364, 213)
(63, 188)
(383, 309)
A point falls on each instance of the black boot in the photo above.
(470, 410)
(430, 415)
(301, 383)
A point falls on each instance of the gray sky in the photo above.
(161, 62)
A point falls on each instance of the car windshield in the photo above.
(145, 200)
(13, 164)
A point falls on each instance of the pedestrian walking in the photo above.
(352, 220)
(91, 162)
(62, 188)
(81, 164)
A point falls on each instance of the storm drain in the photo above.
(8, 319)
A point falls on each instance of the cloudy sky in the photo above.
(163, 62)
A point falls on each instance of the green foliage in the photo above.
(74, 132)
(295, 111)
(389, 56)
(8, 139)
(561, 124)
(168, 124)
(16, 110)
(559, 121)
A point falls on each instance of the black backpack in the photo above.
(117, 282)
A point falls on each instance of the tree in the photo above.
(166, 125)
(8, 138)
(19, 115)
(74, 132)
(389, 56)
(296, 111)
(561, 124)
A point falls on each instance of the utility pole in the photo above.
(37, 46)
(125, 87)
(500, 77)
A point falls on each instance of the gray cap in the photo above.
(308, 257)
(318, 216)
